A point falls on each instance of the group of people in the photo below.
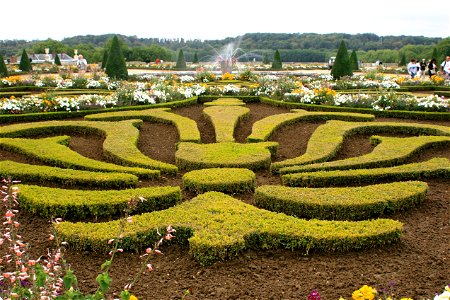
(420, 69)
(81, 63)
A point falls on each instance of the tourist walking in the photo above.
(412, 68)
(432, 67)
(445, 67)
(423, 67)
(81, 65)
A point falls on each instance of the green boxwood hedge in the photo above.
(349, 203)
(225, 119)
(49, 175)
(191, 156)
(219, 227)
(436, 167)
(226, 180)
(225, 102)
(246, 99)
(187, 128)
(82, 204)
(326, 141)
(263, 129)
(392, 151)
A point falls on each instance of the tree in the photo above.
(181, 62)
(435, 53)
(57, 60)
(25, 64)
(354, 61)
(276, 64)
(195, 60)
(266, 60)
(105, 59)
(402, 60)
(3, 69)
(116, 67)
(342, 66)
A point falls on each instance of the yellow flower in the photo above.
(133, 297)
(364, 293)
(406, 299)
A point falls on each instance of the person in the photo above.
(412, 68)
(423, 67)
(445, 67)
(432, 67)
(81, 64)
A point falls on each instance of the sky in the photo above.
(210, 19)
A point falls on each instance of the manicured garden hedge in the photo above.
(54, 151)
(436, 167)
(226, 180)
(225, 102)
(81, 204)
(187, 128)
(392, 151)
(354, 203)
(246, 99)
(219, 227)
(191, 156)
(68, 177)
(120, 145)
(225, 119)
(326, 141)
(264, 128)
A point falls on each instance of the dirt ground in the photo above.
(417, 267)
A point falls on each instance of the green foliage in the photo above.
(266, 60)
(403, 60)
(3, 68)
(342, 65)
(225, 119)
(105, 59)
(354, 61)
(57, 60)
(433, 168)
(195, 59)
(277, 64)
(115, 65)
(53, 45)
(226, 180)
(348, 203)
(443, 49)
(221, 101)
(219, 227)
(435, 53)
(84, 204)
(25, 64)
(181, 62)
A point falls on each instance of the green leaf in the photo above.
(104, 281)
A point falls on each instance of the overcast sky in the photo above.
(210, 19)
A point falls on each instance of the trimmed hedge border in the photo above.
(120, 145)
(418, 115)
(327, 139)
(246, 99)
(225, 180)
(263, 129)
(81, 204)
(225, 119)
(54, 151)
(67, 177)
(392, 151)
(187, 128)
(225, 102)
(191, 156)
(219, 227)
(58, 115)
(349, 203)
(436, 167)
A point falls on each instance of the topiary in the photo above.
(181, 62)
(402, 60)
(341, 66)
(3, 69)
(354, 61)
(276, 64)
(25, 64)
(195, 60)
(57, 60)
(266, 60)
(115, 66)
(105, 59)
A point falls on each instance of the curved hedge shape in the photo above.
(326, 141)
(191, 156)
(392, 151)
(219, 227)
(120, 145)
(263, 129)
(349, 203)
(226, 180)
(54, 151)
(187, 128)
(81, 204)
(436, 167)
(225, 102)
(225, 119)
(45, 174)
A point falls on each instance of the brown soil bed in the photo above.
(417, 267)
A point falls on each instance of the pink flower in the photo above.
(130, 219)
(9, 214)
(168, 236)
(51, 237)
(149, 267)
(110, 241)
(158, 252)
(148, 250)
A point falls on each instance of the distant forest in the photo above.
(296, 47)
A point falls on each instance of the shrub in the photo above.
(181, 62)
(354, 61)
(57, 60)
(3, 68)
(342, 66)
(105, 59)
(225, 119)
(226, 180)
(25, 64)
(115, 66)
(277, 64)
(195, 59)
